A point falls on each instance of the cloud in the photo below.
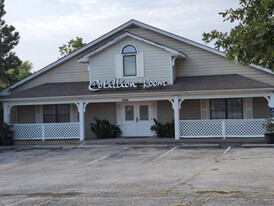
(54, 22)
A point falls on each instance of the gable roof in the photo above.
(130, 24)
(173, 52)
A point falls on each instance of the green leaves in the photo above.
(251, 41)
(71, 46)
(9, 38)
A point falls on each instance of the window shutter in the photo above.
(39, 114)
(118, 66)
(73, 113)
(204, 109)
(248, 108)
(140, 64)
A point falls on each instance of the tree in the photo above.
(16, 74)
(9, 38)
(71, 46)
(252, 40)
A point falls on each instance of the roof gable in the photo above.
(124, 27)
(173, 52)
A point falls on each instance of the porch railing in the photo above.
(222, 128)
(70, 130)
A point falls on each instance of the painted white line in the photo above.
(227, 150)
(164, 154)
(19, 202)
(97, 160)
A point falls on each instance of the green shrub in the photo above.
(163, 130)
(6, 134)
(269, 125)
(103, 129)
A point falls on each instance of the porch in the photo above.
(47, 131)
(244, 128)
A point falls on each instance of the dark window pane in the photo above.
(130, 65)
(144, 112)
(129, 50)
(226, 108)
(129, 113)
(56, 113)
(217, 109)
(234, 108)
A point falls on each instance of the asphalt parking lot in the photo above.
(129, 175)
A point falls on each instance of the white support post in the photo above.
(43, 132)
(176, 105)
(7, 109)
(81, 109)
(223, 130)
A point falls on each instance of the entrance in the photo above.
(137, 118)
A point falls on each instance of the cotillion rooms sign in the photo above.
(97, 85)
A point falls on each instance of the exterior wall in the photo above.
(260, 108)
(23, 115)
(156, 62)
(200, 62)
(101, 111)
(165, 112)
(70, 71)
(190, 109)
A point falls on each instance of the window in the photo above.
(56, 113)
(144, 112)
(129, 53)
(226, 108)
(129, 113)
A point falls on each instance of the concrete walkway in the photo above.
(144, 142)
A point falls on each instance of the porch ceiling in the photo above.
(182, 84)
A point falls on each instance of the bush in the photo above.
(6, 134)
(269, 125)
(163, 130)
(103, 129)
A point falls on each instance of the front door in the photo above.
(136, 119)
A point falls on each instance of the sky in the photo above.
(45, 25)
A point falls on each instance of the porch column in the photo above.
(176, 105)
(81, 110)
(7, 109)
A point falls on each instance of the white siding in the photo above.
(156, 62)
(200, 62)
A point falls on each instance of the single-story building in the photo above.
(137, 73)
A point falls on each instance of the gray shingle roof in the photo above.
(183, 84)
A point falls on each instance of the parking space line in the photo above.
(227, 150)
(19, 202)
(9, 152)
(94, 161)
(164, 154)
(104, 157)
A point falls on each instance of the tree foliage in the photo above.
(17, 74)
(251, 41)
(9, 38)
(71, 46)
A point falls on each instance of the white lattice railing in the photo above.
(222, 128)
(68, 130)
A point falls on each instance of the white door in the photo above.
(136, 119)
